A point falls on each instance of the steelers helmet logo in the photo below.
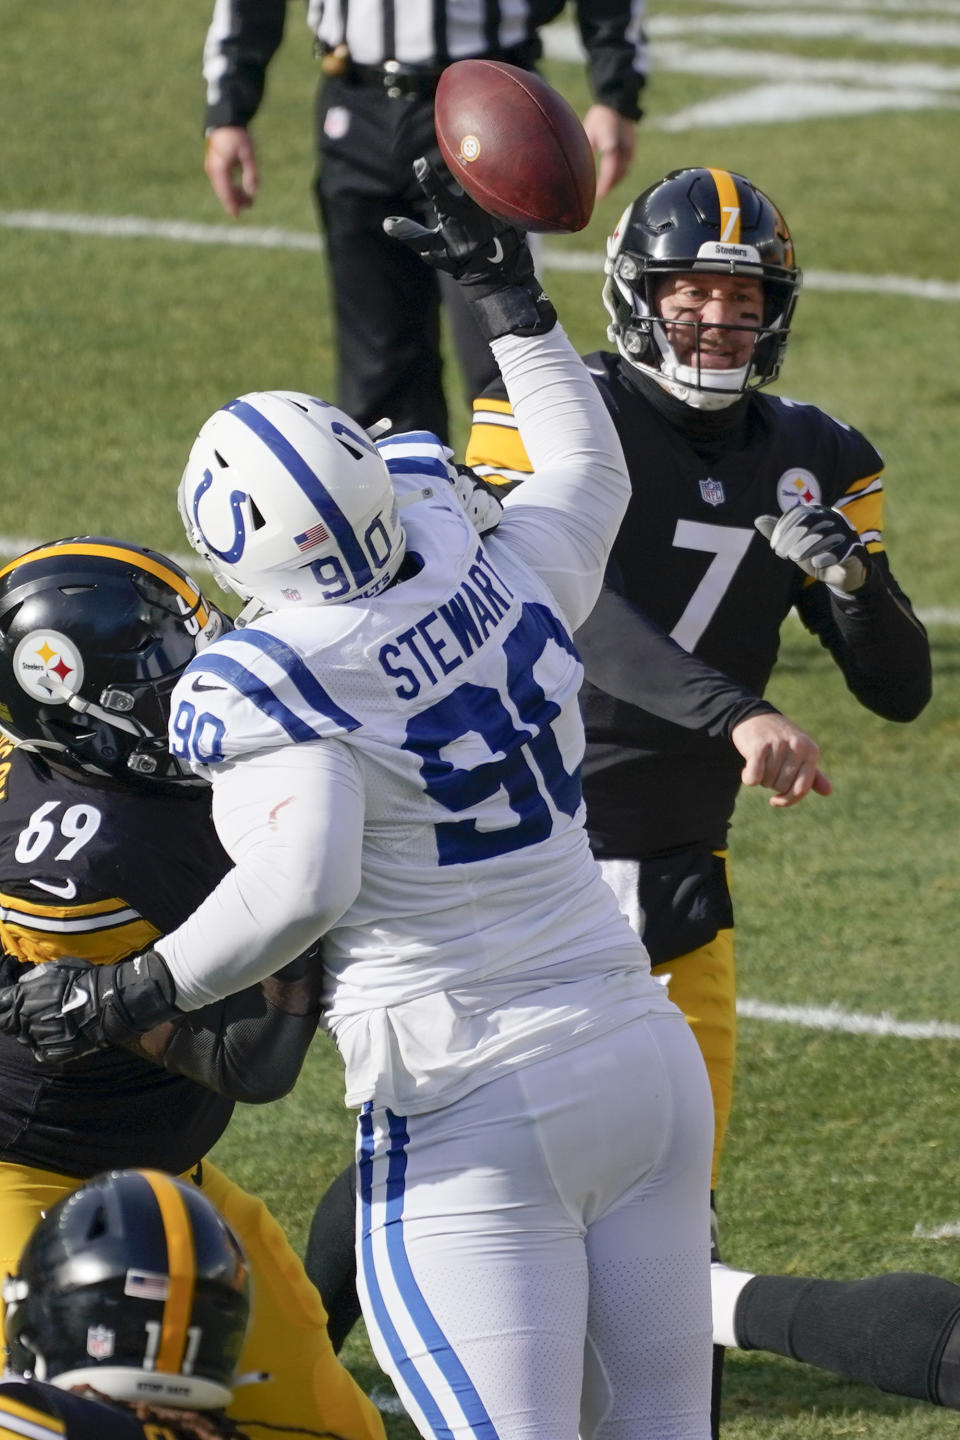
(469, 148)
(48, 666)
(798, 487)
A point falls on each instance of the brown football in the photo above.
(515, 145)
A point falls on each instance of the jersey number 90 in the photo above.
(523, 758)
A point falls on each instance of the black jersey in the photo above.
(31, 1408)
(99, 871)
(689, 556)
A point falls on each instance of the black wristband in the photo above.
(143, 996)
(513, 310)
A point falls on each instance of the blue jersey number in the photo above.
(197, 737)
(522, 759)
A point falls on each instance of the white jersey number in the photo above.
(77, 826)
(728, 545)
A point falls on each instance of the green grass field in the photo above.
(113, 350)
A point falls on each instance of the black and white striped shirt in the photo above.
(244, 34)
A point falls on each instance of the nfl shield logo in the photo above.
(712, 491)
(100, 1342)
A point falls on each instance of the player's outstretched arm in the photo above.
(489, 259)
(572, 506)
(630, 657)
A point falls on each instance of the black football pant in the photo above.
(386, 300)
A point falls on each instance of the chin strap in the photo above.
(250, 611)
(697, 397)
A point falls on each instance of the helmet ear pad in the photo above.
(291, 503)
(134, 1286)
(94, 633)
(699, 219)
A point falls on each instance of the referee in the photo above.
(380, 63)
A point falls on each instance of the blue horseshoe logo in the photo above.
(237, 497)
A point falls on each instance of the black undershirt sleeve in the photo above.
(628, 656)
(250, 1046)
(877, 641)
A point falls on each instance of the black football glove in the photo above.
(10, 969)
(822, 542)
(69, 1008)
(488, 258)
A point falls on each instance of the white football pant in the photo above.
(534, 1259)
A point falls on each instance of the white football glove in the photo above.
(479, 502)
(822, 542)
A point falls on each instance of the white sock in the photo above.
(725, 1287)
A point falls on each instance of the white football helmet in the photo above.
(290, 502)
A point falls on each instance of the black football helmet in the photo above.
(699, 219)
(94, 634)
(135, 1286)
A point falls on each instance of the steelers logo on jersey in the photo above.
(48, 666)
(798, 487)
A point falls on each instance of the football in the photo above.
(515, 145)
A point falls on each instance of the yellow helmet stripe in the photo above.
(181, 1267)
(729, 206)
(176, 582)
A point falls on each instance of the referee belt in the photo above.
(402, 82)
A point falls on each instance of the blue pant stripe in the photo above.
(420, 1313)
(407, 1369)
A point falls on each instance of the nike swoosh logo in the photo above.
(66, 888)
(497, 254)
(79, 998)
(198, 684)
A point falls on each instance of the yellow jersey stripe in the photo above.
(869, 482)
(499, 407)
(865, 512)
(100, 947)
(18, 906)
(729, 206)
(498, 447)
(19, 1419)
(182, 1269)
(501, 475)
(187, 592)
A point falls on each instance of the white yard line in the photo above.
(183, 232)
(787, 86)
(849, 1022)
(865, 28)
(949, 1231)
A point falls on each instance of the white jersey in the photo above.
(479, 933)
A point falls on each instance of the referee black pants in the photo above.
(386, 300)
